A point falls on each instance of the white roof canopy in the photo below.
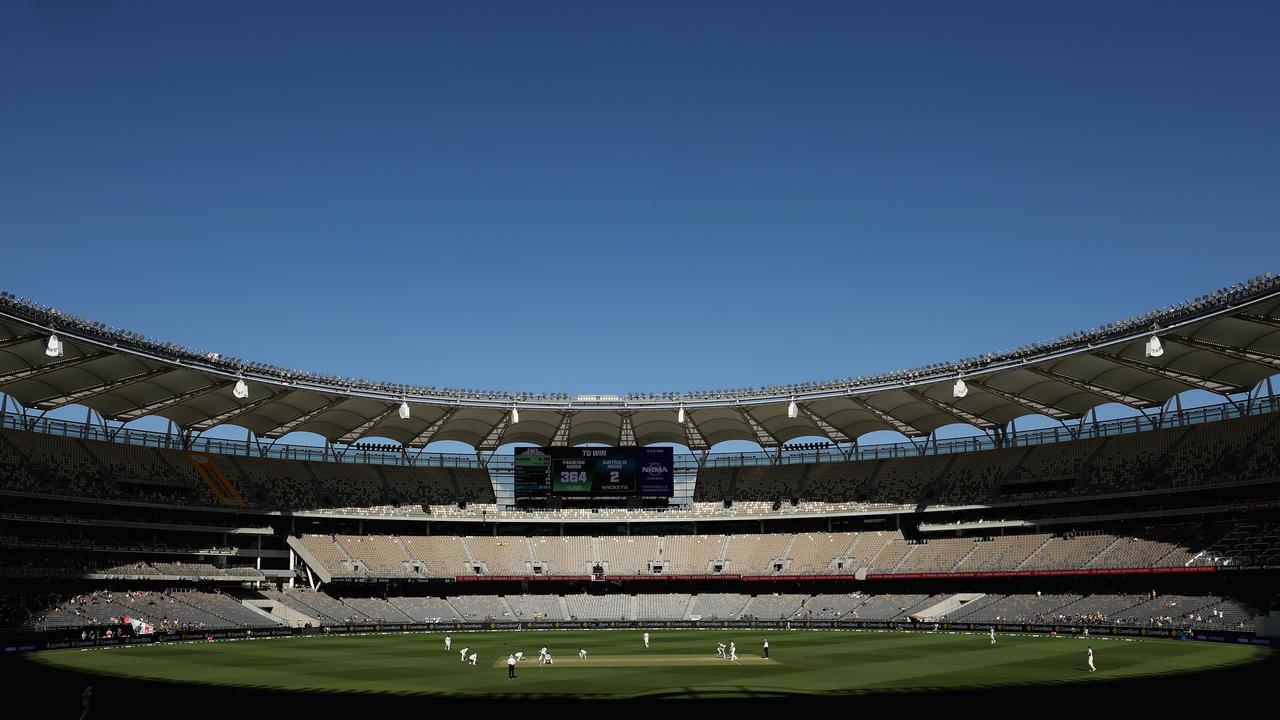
(1224, 343)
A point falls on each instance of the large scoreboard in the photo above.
(594, 472)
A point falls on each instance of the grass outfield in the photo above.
(679, 663)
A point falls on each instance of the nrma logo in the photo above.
(654, 468)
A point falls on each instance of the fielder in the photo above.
(520, 657)
(582, 654)
(1091, 667)
(993, 635)
(448, 643)
(543, 656)
(646, 640)
(463, 653)
(720, 650)
(472, 658)
(733, 652)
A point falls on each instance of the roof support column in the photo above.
(1064, 426)
(836, 437)
(32, 420)
(627, 431)
(106, 426)
(763, 438)
(21, 412)
(426, 436)
(1255, 393)
(920, 448)
(1241, 407)
(1079, 431)
(701, 455)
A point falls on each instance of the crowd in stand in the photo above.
(1165, 458)
(188, 610)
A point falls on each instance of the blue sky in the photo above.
(611, 197)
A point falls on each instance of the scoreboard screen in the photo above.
(533, 472)
(594, 472)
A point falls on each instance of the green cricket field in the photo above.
(678, 663)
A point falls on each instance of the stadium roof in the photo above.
(1225, 342)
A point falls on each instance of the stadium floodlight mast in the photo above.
(960, 389)
(241, 390)
(54, 348)
(404, 410)
(792, 410)
(1154, 348)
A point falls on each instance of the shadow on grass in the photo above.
(57, 692)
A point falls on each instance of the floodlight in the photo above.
(792, 410)
(1154, 348)
(241, 390)
(54, 348)
(515, 415)
(960, 389)
(404, 411)
(680, 415)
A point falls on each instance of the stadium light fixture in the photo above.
(1154, 349)
(792, 410)
(404, 410)
(54, 348)
(515, 414)
(241, 390)
(960, 389)
(680, 415)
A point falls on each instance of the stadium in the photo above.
(397, 358)
(228, 572)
